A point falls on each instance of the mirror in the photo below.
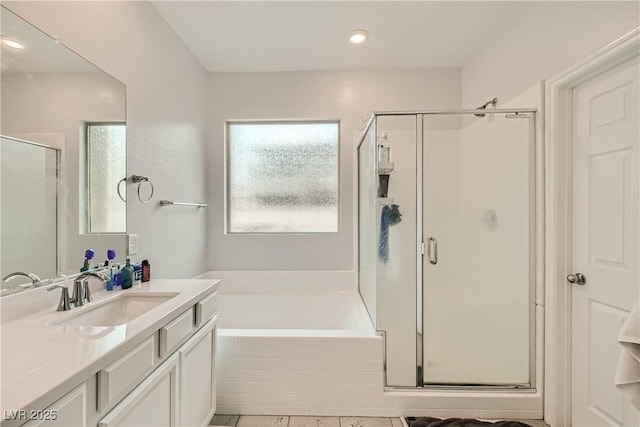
(62, 156)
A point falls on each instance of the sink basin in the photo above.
(117, 311)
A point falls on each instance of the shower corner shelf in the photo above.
(385, 168)
(385, 201)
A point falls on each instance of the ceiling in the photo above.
(313, 35)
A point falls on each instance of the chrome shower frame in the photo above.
(530, 114)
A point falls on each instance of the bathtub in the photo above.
(337, 314)
(318, 354)
(296, 354)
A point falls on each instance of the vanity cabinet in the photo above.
(167, 379)
(181, 391)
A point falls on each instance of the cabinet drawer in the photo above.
(153, 403)
(206, 308)
(122, 376)
(176, 332)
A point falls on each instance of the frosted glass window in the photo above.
(106, 156)
(282, 177)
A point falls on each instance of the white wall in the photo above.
(540, 40)
(165, 117)
(347, 95)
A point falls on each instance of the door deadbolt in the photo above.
(578, 278)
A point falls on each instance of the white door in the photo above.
(605, 240)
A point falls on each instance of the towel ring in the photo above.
(118, 187)
(140, 179)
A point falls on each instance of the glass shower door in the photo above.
(29, 199)
(478, 266)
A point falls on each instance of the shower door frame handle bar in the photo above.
(432, 254)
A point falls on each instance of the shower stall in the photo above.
(447, 239)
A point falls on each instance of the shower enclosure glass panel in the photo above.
(367, 225)
(397, 248)
(447, 245)
(478, 269)
(29, 199)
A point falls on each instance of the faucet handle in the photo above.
(86, 292)
(64, 303)
(77, 297)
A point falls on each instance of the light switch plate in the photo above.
(132, 244)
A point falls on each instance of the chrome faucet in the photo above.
(34, 279)
(81, 293)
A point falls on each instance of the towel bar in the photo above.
(172, 203)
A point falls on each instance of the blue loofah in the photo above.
(390, 216)
(383, 244)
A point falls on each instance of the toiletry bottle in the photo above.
(137, 274)
(146, 271)
(127, 275)
(108, 265)
(117, 276)
(111, 254)
(88, 254)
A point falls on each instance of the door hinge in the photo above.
(422, 248)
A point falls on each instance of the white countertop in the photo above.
(40, 362)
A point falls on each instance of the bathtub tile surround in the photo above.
(294, 359)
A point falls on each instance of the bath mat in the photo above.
(458, 422)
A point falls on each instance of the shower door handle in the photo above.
(432, 250)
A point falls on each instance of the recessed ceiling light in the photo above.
(13, 44)
(358, 36)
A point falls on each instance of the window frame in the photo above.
(226, 170)
(87, 177)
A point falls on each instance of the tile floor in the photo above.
(299, 421)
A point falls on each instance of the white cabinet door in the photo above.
(68, 411)
(197, 377)
(152, 403)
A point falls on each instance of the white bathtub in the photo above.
(287, 352)
(296, 354)
(338, 314)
